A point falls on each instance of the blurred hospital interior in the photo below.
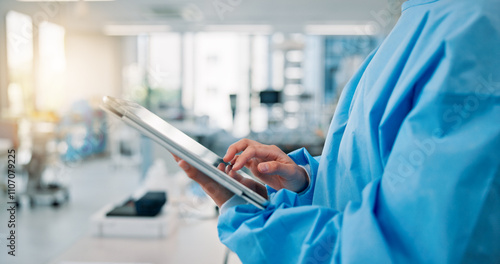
(219, 71)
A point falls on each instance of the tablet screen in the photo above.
(122, 107)
(178, 137)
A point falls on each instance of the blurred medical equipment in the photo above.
(83, 132)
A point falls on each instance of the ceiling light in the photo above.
(132, 30)
(262, 29)
(342, 30)
(64, 0)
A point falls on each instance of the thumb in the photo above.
(274, 167)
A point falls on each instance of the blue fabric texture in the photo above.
(410, 171)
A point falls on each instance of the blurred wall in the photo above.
(93, 66)
(93, 60)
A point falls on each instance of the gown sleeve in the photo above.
(303, 158)
(439, 187)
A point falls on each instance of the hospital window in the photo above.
(20, 92)
(221, 68)
(220, 75)
(229, 71)
(213, 70)
(25, 93)
(50, 92)
(343, 56)
(154, 79)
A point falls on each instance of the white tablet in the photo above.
(179, 144)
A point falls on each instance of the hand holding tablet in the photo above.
(209, 171)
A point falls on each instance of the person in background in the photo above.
(410, 170)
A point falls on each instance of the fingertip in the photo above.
(233, 174)
(237, 166)
(184, 165)
(263, 168)
(228, 157)
(233, 160)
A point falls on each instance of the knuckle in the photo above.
(251, 150)
(275, 148)
(234, 145)
(273, 166)
(250, 142)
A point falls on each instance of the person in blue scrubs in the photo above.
(410, 171)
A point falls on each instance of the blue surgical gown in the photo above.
(410, 171)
